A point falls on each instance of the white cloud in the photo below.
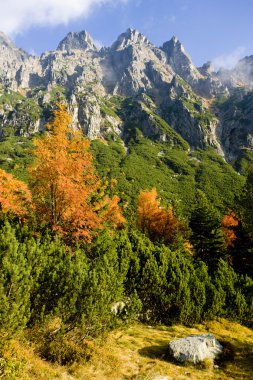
(19, 15)
(228, 61)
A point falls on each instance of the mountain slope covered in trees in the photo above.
(148, 219)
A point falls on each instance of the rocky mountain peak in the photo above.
(7, 43)
(77, 41)
(175, 50)
(5, 40)
(207, 68)
(130, 37)
(180, 61)
(243, 71)
(174, 40)
(179, 90)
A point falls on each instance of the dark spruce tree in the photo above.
(207, 237)
(246, 204)
(242, 251)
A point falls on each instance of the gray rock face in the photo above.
(236, 124)
(77, 41)
(86, 115)
(89, 116)
(180, 61)
(241, 76)
(207, 68)
(203, 81)
(243, 72)
(190, 117)
(132, 67)
(195, 348)
(11, 60)
(130, 37)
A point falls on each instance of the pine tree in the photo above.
(234, 304)
(246, 204)
(243, 248)
(15, 281)
(242, 252)
(207, 237)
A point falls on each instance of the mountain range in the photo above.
(132, 84)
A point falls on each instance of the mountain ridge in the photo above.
(189, 99)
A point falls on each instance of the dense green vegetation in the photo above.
(125, 274)
(41, 279)
(16, 155)
(176, 173)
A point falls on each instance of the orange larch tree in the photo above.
(229, 223)
(158, 222)
(147, 209)
(63, 183)
(15, 197)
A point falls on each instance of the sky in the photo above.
(210, 30)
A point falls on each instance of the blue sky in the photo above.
(220, 30)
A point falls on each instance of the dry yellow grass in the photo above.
(139, 353)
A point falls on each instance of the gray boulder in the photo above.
(195, 348)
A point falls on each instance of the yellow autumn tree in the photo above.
(158, 222)
(15, 197)
(64, 186)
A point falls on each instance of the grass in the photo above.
(140, 353)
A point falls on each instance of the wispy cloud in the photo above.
(17, 16)
(228, 61)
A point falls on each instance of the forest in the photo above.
(77, 248)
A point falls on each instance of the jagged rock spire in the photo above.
(175, 50)
(5, 40)
(179, 60)
(130, 37)
(77, 41)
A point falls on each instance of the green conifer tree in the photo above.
(15, 281)
(246, 203)
(243, 248)
(207, 237)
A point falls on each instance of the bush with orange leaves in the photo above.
(15, 197)
(157, 222)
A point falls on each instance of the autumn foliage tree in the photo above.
(229, 224)
(66, 191)
(15, 197)
(158, 222)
